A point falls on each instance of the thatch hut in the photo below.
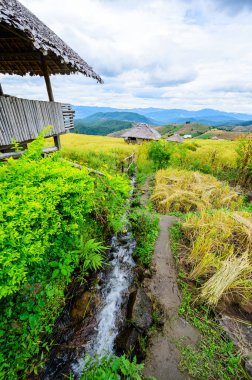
(175, 138)
(27, 46)
(141, 132)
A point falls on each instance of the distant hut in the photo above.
(141, 132)
(27, 46)
(175, 138)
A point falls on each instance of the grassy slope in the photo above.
(193, 129)
(102, 127)
(103, 123)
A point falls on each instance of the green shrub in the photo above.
(159, 153)
(112, 368)
(51, 217)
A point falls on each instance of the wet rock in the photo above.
(139, 310)
(81, 306)
(126, 340)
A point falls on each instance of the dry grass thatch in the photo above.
(220, 245)
(183, 190)
(142, 131)
(24, 39)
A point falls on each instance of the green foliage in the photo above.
(145, 226)
(112, 368)
(51, 215)
(100, 127)
(103, 123)
(159, 153)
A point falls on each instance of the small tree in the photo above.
(159, 153)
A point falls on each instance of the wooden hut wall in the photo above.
(23, 119)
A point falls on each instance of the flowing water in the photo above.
(113, 293)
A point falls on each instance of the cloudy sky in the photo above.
(188, 54)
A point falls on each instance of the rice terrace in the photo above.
(126, 197)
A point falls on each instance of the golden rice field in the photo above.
(219, 247)
(215, 153)
(184, 191)
(97, 152)
(96, 144)
(223, 152)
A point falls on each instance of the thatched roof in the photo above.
(175, 138)
(24, 38)
(142, 131)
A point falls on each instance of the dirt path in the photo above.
(163, 357)
(145, 190)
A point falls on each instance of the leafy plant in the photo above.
(112, 368)
(159, 153)
(91, 254)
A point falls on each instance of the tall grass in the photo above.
(184, 191)
(220, 254)
(96, 152)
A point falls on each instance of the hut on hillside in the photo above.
(141, 132)
(175, 138)
(27, 46)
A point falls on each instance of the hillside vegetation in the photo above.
(104, 123)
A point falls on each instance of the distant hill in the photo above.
(194, 129)
(197, 130)
(103, 123)
(161, 116)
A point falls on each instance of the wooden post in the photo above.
(47, 78)
(1, 90)
(57, 142)
(50, 94)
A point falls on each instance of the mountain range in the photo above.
(105, 120)
(166, 116)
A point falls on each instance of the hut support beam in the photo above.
(47, 79)
(50, 94)
(1, 90)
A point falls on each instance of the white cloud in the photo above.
(177, 53)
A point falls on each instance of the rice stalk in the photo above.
(184, 191)
(217, 241)
(233, 269)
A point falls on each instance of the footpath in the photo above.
(162, 359)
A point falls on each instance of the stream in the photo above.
(95, 335)
(113, 295)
